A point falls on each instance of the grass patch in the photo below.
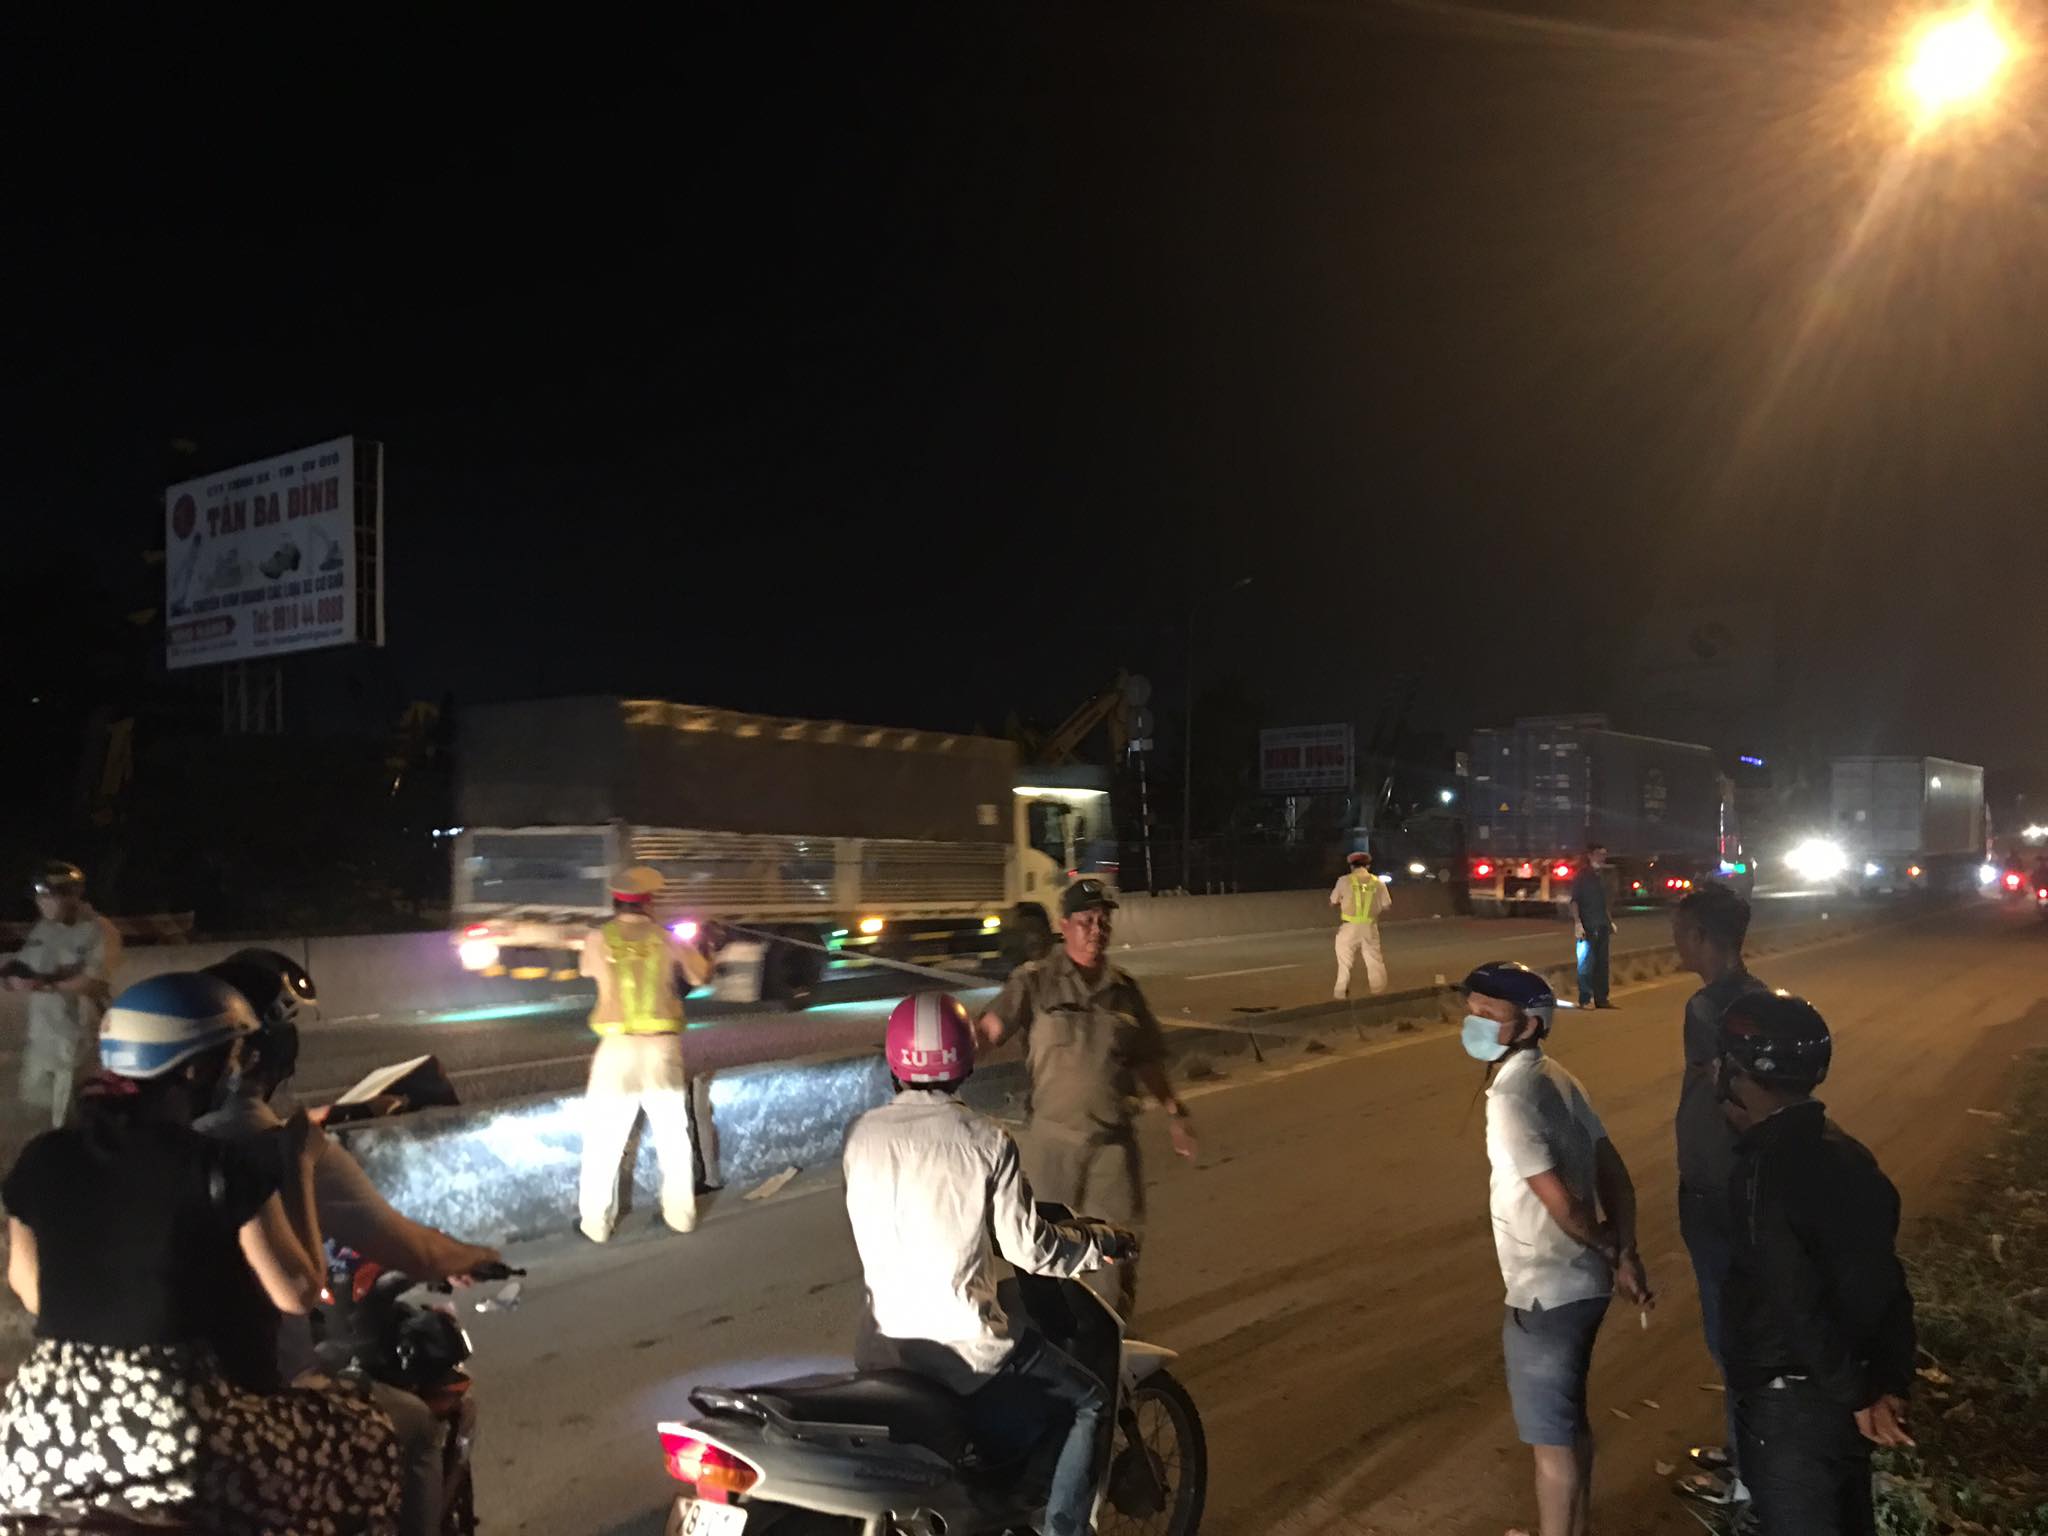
(1980, 1294)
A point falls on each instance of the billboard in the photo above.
(1303, 759)
(276, 556)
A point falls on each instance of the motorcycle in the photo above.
(368, 1329)
(892, 1453)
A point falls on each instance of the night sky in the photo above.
(919, 366)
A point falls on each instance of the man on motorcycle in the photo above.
(933, 1190)
(346, 1208)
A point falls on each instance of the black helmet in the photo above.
(277, 986)
(1778, 1039)
(60, 877)
(1513, 982)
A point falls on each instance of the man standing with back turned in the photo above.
(1091, 1042)
(641, 971)
(1361, 900)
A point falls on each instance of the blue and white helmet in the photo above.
(1513, 982)
(159, 1024)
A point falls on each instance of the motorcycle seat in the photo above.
(912, 1408)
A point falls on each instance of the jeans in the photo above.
(1703, 1223)
(1593, 966)
(1807, 1467)
(420, 1437)
(1057, 1383)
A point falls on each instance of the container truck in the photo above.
(1905, 824)
(847, 839)
(1546, 787)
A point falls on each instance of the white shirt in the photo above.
(1537, 1120)
(932, 1191)
(1344, 897)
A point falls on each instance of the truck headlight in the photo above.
(477, 954)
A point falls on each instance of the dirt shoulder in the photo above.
(1980, 1288)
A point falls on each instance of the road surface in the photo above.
(1326, 1266)
(1207, 981)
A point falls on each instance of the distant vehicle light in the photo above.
(1987, 874)
(2012, 882)
(1754, 762)
(685, 929)
(477, 931)
(1817, 859)
(871, 926)
(2035, 833)
(1934, 782)
(1446, 796)
(1872, 869)
(1635, 885)
(1526, 872)
(991, 923)
(1482, 869)
(1418, 869)
(1561, 871)
(477, 954)
(1912, 871)
(1386, 879)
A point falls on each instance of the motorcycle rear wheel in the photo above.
(1176, 1454)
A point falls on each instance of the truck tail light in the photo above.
(1560, 871)
(477, 931)
(1482, 870)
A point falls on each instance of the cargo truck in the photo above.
(1548, 786)
(1904, 824)
(835, 840)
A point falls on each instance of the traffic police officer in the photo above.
(65, 966)
(641, 971)
(1091, 1042)
(1817, 1321)
(1361, 899)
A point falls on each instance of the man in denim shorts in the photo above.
(1564, 1227)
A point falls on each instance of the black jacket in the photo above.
(1815, 1288)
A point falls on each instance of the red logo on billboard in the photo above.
(184, 517)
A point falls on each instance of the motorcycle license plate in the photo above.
(695, 1517)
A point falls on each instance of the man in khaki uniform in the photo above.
(66, 966)
(641, 971)
(1361, 900)
(1091, 1042)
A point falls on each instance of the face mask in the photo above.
(1481, 1038)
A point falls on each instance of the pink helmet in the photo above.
(930, 1039)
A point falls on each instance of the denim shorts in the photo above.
(1549, 1353)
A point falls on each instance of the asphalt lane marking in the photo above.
(1250, 970)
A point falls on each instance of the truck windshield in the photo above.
(561, 871)
(1049, 829)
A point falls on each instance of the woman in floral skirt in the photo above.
(126, 1230)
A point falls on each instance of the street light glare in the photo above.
(1955, 62)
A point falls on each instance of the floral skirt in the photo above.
(158, 1430)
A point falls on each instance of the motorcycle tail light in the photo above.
(2012, 882)
(715, 1474)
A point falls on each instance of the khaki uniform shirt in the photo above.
(1084, 1043)
(89, 947)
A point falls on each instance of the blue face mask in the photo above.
(1482, 1038)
